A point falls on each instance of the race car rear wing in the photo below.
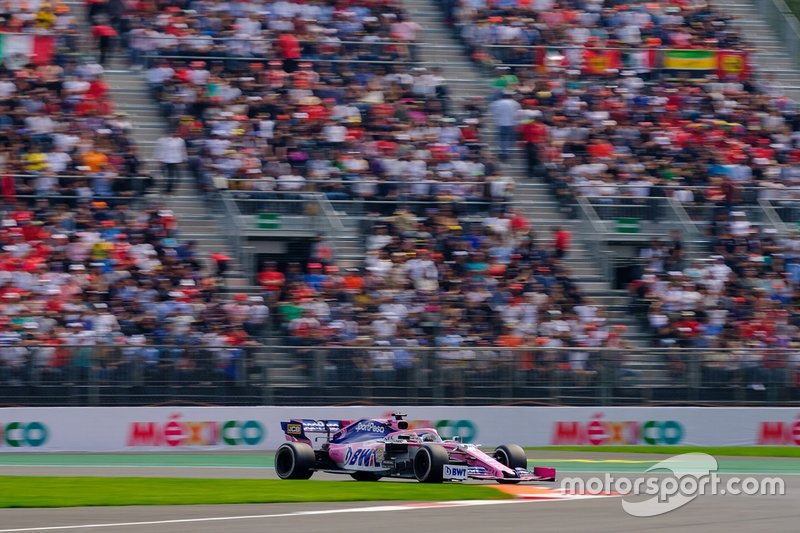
(299, 429)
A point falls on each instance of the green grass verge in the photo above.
(19, 491)
(731, 451)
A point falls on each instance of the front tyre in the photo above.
(294, 460)
(429, 464)
(513, 457)
(365, 476)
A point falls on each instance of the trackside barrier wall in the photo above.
(126, 429)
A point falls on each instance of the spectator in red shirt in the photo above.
(533, 134)
(289, 48)
(561, 240)
(272, 281)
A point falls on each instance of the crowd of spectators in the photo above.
(301, 116)
(742, 301)
(277, 98)
(440, 282)
(93, 279)
(510, 32)
(634, 133)
(452, 267)
(61, 136)
(38, 17)
(624, 140)
(108, 292)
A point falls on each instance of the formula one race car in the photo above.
(370, 449)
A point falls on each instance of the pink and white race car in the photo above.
(372, 448)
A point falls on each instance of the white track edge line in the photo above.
(378, 508)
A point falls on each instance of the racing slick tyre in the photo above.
(513, 457)
(365, 476)
(294, 460)
(429, 464)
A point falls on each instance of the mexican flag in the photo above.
(19, 49)
(640, 60)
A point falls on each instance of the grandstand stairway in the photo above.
(771, 58)
(130, 94)
(196, 219)
(532, 196)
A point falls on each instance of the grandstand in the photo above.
(346, 227)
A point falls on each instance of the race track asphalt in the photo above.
(705, 514)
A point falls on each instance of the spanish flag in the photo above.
(600, 61)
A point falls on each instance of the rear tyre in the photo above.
(429, 464)
(365, 476)
(294, 460)
(513, 457)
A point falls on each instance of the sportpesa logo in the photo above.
(370, 427)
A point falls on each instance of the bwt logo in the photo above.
(361, 457)
(455, 472)
(23, 434)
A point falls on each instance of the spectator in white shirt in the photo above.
(505, 112)
(171, 153)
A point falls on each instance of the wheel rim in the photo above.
(424, 466)
(502, 458)
(284, 462)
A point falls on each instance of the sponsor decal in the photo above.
(779, 433)
(600, 432)
(177, 432)
(361, 457)
(23, 434)
(294, 429)
(455, 472)
(370, 427)
(320, 426)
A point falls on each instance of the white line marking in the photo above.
(373, 509)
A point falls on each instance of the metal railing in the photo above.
(525, 56)
(354, 44)
(691, 218)
(772, 215)
(335, 224)
(233, 227)
(297, 204)
(367, 373)
(788, 211)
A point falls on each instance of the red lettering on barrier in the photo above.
(772, 433)
(144, 434)
(173, 431)
(568, 433)
(596, 431)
